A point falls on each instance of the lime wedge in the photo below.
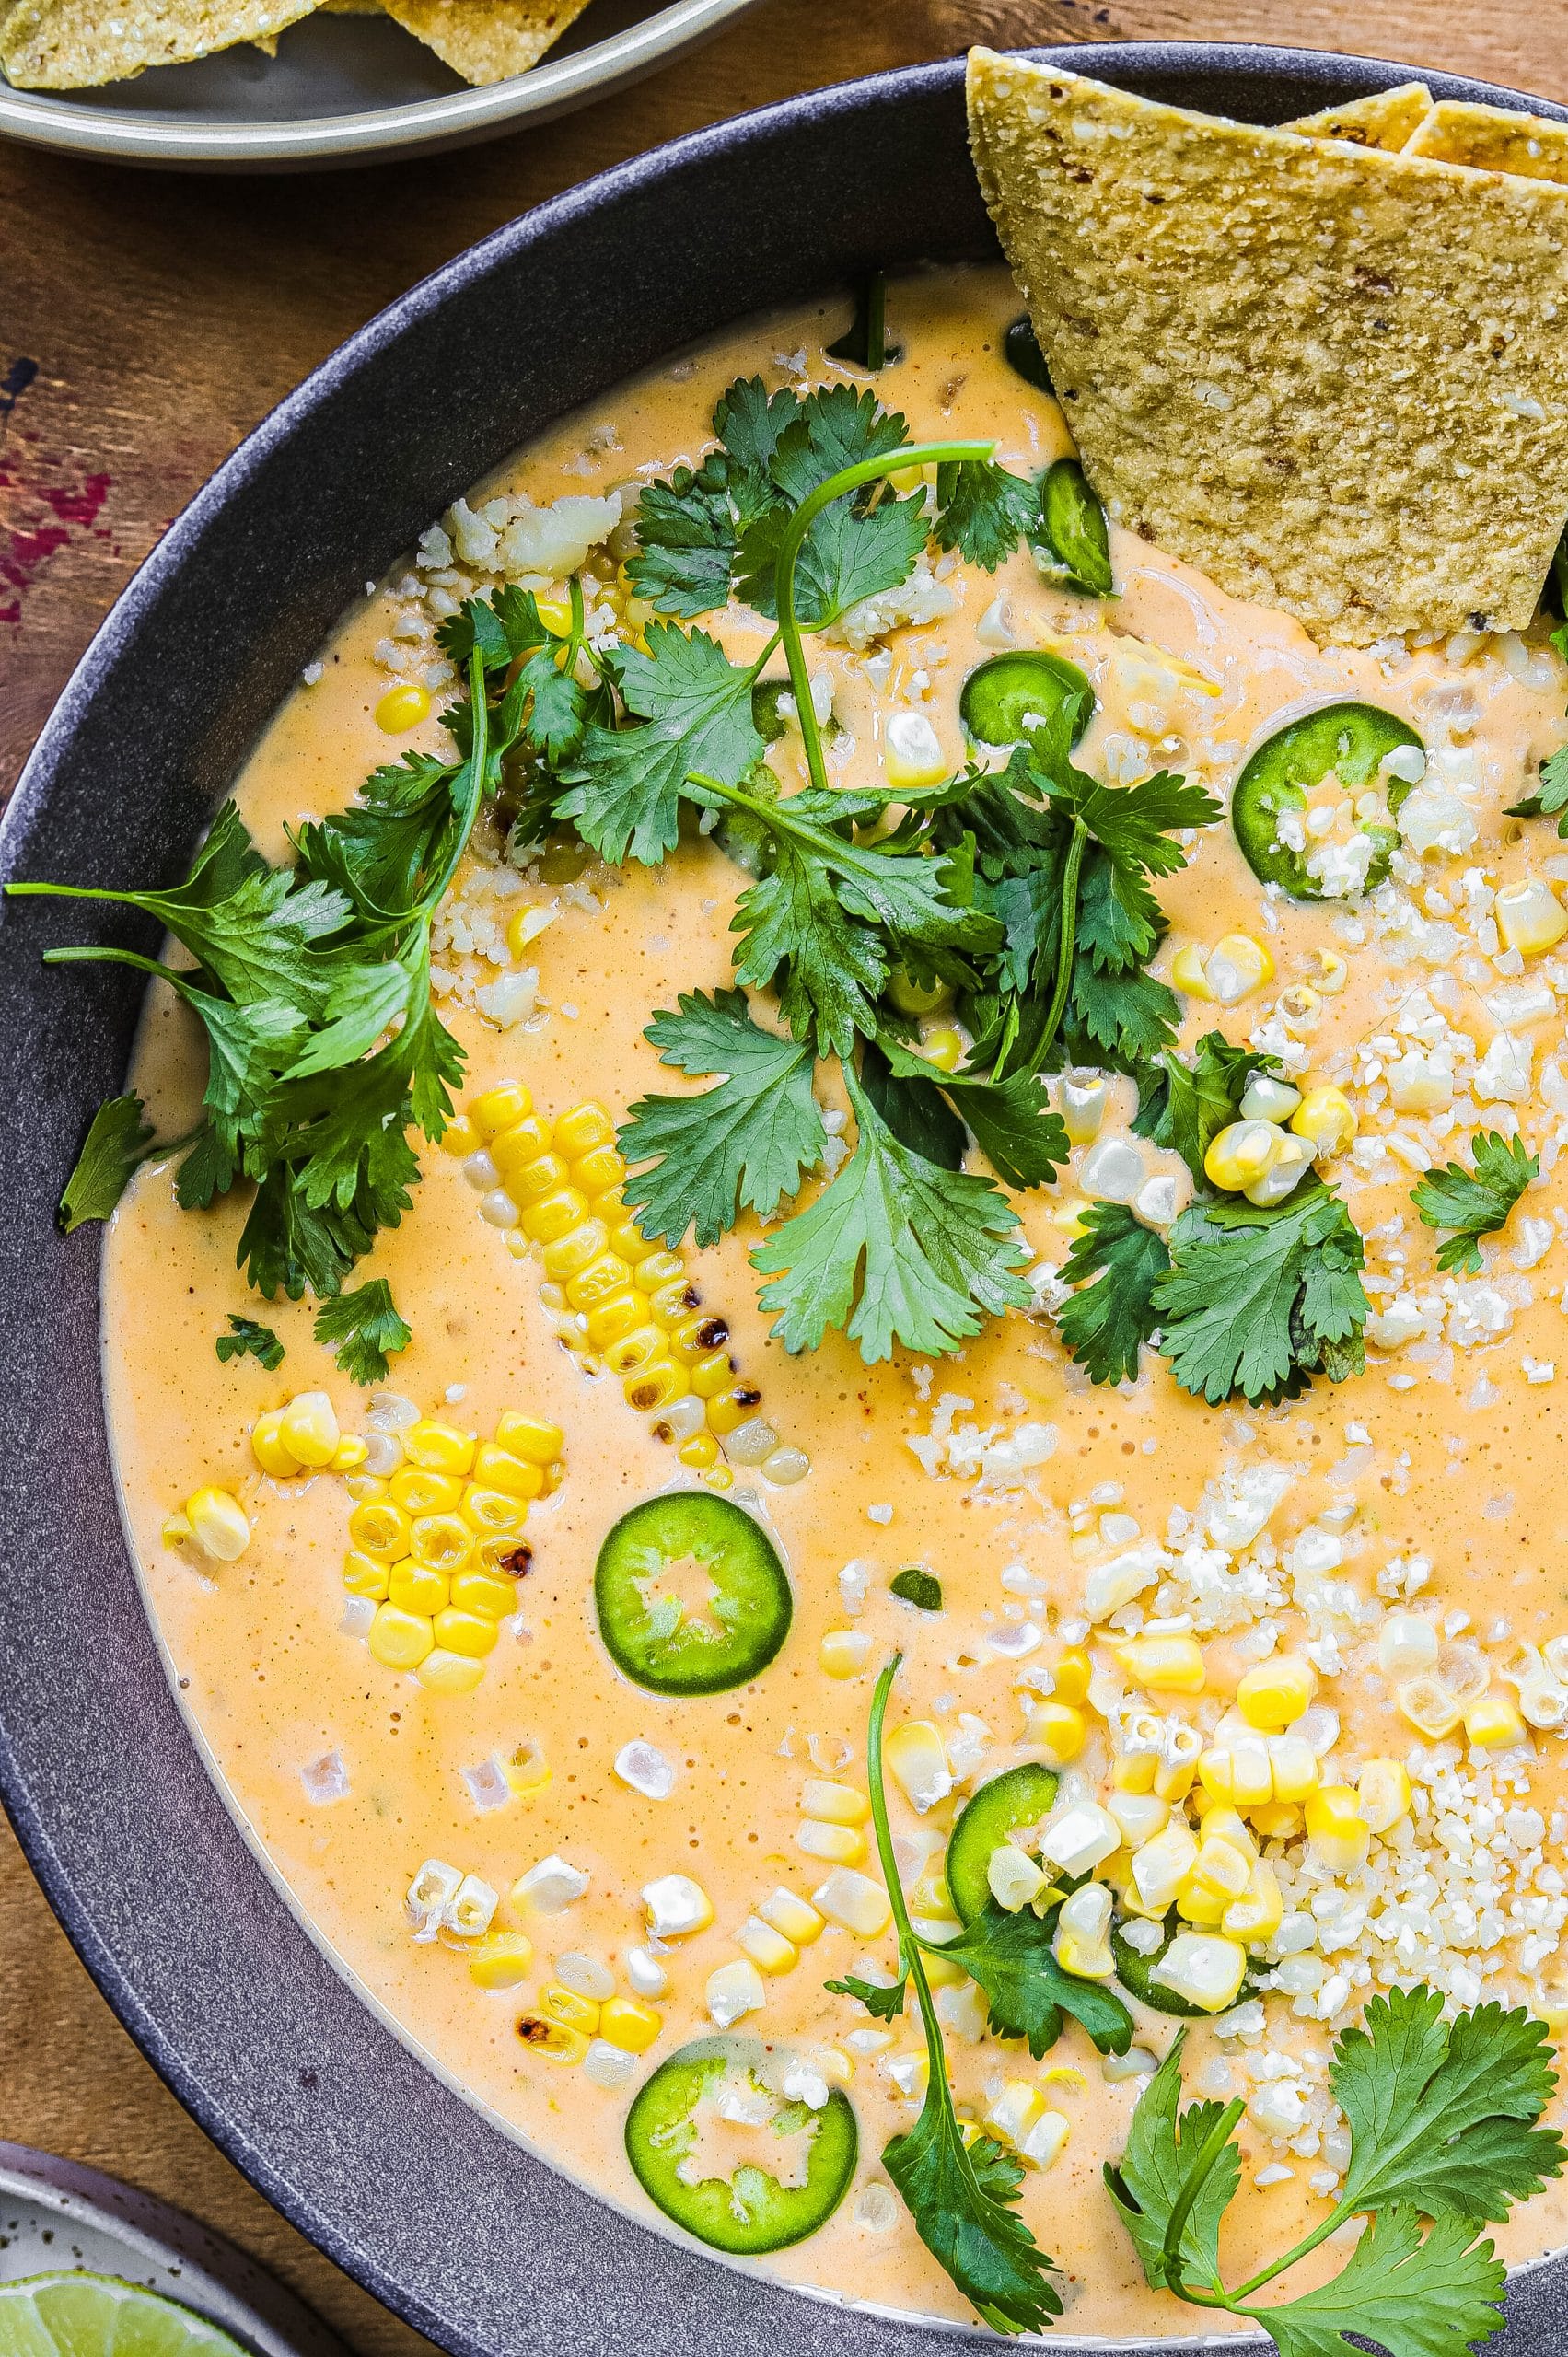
(97, 2315)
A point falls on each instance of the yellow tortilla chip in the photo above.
(1335, 378)
(1492, 140)
(486, 41)
(76, 44)
(1383, 119)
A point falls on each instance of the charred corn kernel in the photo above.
(553, 1215)
(1335, 1828)
(600, 1172)
(415, 1587)
(839, 1845)
(309, 1428)
(604, 1279)
(1083, 1934)
(401, 709)
(562, 2005)
(728, 1409)
(833, 1804)
(629, 2024)
(1070, 1676)
(270, 1449)
(1294, 1766)
(1235, 967)
(671, 1304)
(461, 1137)
(700, 1450)
(538, 1181)
(419, 1492)
(495, 1514)
(442, 1540)
(1060, 1729)
(1241, 1155)
(1274, 1695)
(219, 1524)
(440, 1449)
(843, 1653)
(350, 1453)
(1383, 1794)
(768, 1950)
(1164, 1664)
(696, 1335)
(570, 1255)
(1014, 2111)
(916, 1757)
(1530, 917)
(792, 1916)
(616, 1318)
(485, 1593)
(578, 1131)
(1186, 972)
(632, 1353)
(380, 1527)
(1326, 1119)
(1222, 1867)
(1277, 1820)
(712, 1375)
(1207, 1971)
(552, 2039)
(506, 1558)
(1134, 1771)
(449, 1673)
(399, 1639)
(500, 1959)
(525, 1769)
(1489, 1724)
(497, 1468)
(657, 1386)
(501, 1107)
(362, 1575)
(469, 1633)
(943, 1046)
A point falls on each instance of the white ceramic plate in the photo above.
(347, 90)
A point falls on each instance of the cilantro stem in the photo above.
(910, 1959)
(1067, 946)
(848, 479)
(1213, 2145)
(1321, 2233)
(468, 790)
(87, 955)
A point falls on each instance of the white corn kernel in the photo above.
(676, 1906)
(768, 1950)
(1140, 1815)
(786, 1913)
(1014, 1879)
(1082, 1099)
(1162, 1865)
(855, 1902)
(1046, 2140)
(918, 1759)
(1081, 1839)
(1265, 1098)
(1081, 1942)
(912, 751)
(1014, 2112)
(645, 1973)
(733, 1991)
(1237, 966)
(549, 1886)
(839, 1845)
(1203, 1968)
(1283, 1174)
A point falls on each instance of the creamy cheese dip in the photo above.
(1056, 1515)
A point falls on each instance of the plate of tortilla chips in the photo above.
(265, 85)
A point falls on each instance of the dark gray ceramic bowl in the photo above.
(376, 2160)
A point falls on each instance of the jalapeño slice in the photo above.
(750, 2212)
(1014, 693)
(1075, 529)
(1021, 1796)
(1020, 349)
(690, 1595)
(1351, 740)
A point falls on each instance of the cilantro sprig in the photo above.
(1473, 1203)
(1442, 2119)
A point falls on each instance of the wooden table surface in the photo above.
(165, 316)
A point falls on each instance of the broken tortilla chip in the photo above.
(1492, 140)
(486, 41)
(75, 44)
(1334, 378)
(1383, 119)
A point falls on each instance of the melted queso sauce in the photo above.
(1430, 1488)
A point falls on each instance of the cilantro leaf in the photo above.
(913, 1105)
(117, 1144)
(1136, 826)
(1474, 1203)
(686, 541)
(1551, 799)
(982, 511)
(884, 2003)
(1258, 1299)
(1121, 1021)
(960, 2198)
(626, 784)
(1432, 2294)
(1147, 2184)
(363, 1330)
(1106, 1325)
(1025, 1988)
(1012, 1121)
(1184, 1107)
(743, 1145)
(894, 1249)
(247, 1339)
(851, 552)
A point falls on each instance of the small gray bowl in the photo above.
(370, 2153)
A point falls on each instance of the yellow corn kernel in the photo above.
(1277, 1820)
(916, 1757)
(1490, 1724)
(627, 2023)
(219, 1524)
(500, 1959)
(399, 1639)
(1530, 917)
(470, 1633)
(517, 1149)
(1071, 1674)
(538, 1181)
(497, 1468)
(380, 1527)
(833, 1804)
(553, 2038)
(630, 1353)
(1235, 967)
(843, 1653)
(1214, 1773)
(559, 2004)
(943, 1045)
(841, 1845)
(1338, 1833)
(585, 1126)
(461, 1137)
(1383, 1794)
(599, 1173)
(1174, 1777)
(1140, 1815)
(1242, 1154)
(1014, 2112)
(270, 1449)
(364, 1487)
(555, 1215)
(442, 1540)
(768, 1950)
(1164, 1664)
(1060, 1729)
(419, 1492)
(494, 1514)
(727, 1408)
(350, 1453)
(1186, 972)
(657, 1386)
(500, 1107)
(798, 1922)
(604, 1279)
(1134, 1771)
(630, 1242)
(1083, 1934)
(1222, 1867)
(1326, 1119)
(571, 1254)
(401, 709)
(712, 1374)
(309, 1428)
(416, 1587)
(700, 1450)
(1251, 1773)
(362, 1575)
(1429, 1706)
(615, 1319)
(440, 1449)
(444, 1672)
(658, 1269)
(486, 1593)
(1274, 1695)
(1197, 1903)
(526, 1770)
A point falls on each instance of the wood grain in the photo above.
(162, 317)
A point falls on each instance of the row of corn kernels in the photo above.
(617, 1302)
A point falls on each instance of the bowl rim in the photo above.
(36, 1815)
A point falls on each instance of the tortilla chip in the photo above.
(1336, 379)
(76, 44)
(1492, 140)
(486, 41)
(1383, 119)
